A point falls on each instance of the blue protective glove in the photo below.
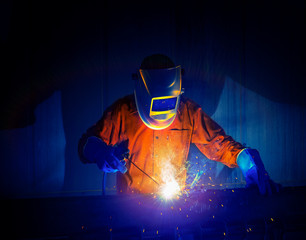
(110, 159)
(254, 172)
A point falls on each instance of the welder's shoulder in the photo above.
(123, 105)
(190, 105)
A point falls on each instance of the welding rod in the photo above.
(143, 171)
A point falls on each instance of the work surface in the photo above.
(217, 214)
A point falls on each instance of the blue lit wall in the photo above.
(64, 64)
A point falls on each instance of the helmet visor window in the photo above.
(166, 104)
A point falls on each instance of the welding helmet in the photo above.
(158, 86)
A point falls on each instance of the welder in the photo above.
(156, 125)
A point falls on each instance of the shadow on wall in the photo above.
(33, 157)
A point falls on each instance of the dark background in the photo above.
(64, 63)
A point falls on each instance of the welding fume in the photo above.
(145, 137)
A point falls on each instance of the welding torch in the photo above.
(143, 171)
(126, 158)
(168, 190)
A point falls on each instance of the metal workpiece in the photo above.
(223, 213)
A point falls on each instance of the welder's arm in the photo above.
(108, 158)
(253, 170)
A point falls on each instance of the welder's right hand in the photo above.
(108, 158)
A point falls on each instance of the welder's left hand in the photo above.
(254, 172)
(108, 158)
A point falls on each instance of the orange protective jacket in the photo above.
(151, 149)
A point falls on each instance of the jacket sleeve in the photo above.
(212, 140)
(106, 129)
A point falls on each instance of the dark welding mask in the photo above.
(157, 95)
